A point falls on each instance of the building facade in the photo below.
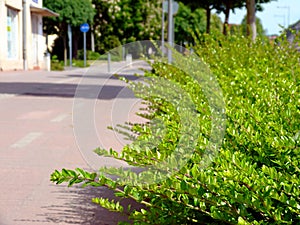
(292, 34)
(23, 44)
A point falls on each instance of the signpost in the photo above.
(84, 28)
(70, 43)
(172, 9)
(164, 10)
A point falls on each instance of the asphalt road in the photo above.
(41, 130)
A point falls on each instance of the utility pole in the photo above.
(288, 17)
(92, 39)
(70, 43)
(283, 18)
(164, 10)
(24, 5)
(170, 27)
(163, 29)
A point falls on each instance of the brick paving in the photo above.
(37, 137)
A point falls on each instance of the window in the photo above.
(12, 33)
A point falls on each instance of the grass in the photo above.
(59, 65)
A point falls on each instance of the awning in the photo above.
(42, 11)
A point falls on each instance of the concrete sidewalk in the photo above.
(36, 137)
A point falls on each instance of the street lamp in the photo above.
(282, 16)
(288, 8)
(24, 14)
(170, 30)
(172, 9)
(164, 10)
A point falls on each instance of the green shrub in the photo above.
(90, 55)
(79, 63)
(113, 57)
(255, 177)
(55, 64)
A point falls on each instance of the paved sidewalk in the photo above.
(36, 137)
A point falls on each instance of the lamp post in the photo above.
(70, 43)
(288, 9)
(172, 9)
(164, 10)
(170, 30)
(24, 13)
(282, 16)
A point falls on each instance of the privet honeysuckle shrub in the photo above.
(255, 177)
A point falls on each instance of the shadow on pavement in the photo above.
(63, 90)
(79, 208)
(113, 77)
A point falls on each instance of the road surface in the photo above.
(37, 137)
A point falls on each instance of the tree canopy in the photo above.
(73, 12)
(187, 20)
(221, 6)
(226, 6)
(123, 21)
(116, 22)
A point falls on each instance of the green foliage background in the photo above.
(74, 12)
(259, 27)
(122, 21)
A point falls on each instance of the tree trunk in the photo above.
(208, 13)
(62, 28)
(227, 12)
(65, 49)
(92, 39)
(76, 38)
(251, 19)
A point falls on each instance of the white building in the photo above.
(21, 34)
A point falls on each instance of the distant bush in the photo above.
(90, 55)
(56, 64)
(113, 57)
(255, 177)
(78, 63)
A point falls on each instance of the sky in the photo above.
(272, 16)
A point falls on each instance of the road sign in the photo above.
(84, 27)
(175, 7)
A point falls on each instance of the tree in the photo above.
(251, 28)
(206, 5)
(242, 29)
(253, 6)
(139, 22)
(187, 21)
(225, 6)
(221, 6)
(73, 12)
(215, 23)
(103, 25)
(260, 32)
(125, 21)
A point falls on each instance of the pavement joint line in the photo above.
(66, 80)
(59, 118)
(5, 96)
(26, 140)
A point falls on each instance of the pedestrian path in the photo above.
(37, 136)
